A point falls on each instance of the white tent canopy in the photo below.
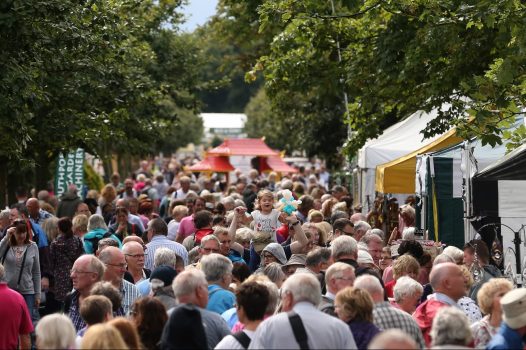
(395, 142)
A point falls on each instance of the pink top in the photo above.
(18, 320)
(186, 226)
(388, 274)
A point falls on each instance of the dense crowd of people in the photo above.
(171, 260)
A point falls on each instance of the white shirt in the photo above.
(323, 331)
(267, 223)
(229, 342)
(173, 227)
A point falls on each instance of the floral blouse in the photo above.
(483, 331)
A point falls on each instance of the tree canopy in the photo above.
(463, 58)
(109, 76)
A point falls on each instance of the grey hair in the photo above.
(303, 287)
(408, 234)
(209, 238)
(239, 203)
(394, 336)
(274, 272)
(96, 221)
(55, 331)
(361, 226)
(164, 256)
(336, 270)
(378, 232)
(406, 287)
(188, 281)
(273, 296)
(318, 256)
(4, 214)
(443, 258)
(455, 253)
(228, 200)
(370, 284)
(369, 237)
(96, 265)
(215, 266)
(450, 327)
(344, 245)
(243, 234)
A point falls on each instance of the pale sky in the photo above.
(197, 13)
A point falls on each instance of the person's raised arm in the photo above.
(300, 240)
(238, 213)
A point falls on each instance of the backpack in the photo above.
(95, 240)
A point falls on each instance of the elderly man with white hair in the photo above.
(360, 229)
(191, 287)
(337, 277)
(218, 272)
(407, 294)
(302, 325)
(386, 316)
(450, 329)
(345, 249)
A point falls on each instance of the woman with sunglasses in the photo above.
(19, 255)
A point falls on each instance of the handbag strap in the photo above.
(242, 339)
(22, 267)
(299, 330)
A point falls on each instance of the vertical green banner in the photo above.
(70, 170)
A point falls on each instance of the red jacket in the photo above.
(424, 315)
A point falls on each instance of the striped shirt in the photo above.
(386, 317)
(129, 294)
(162, 241)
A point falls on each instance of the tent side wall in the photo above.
(449, 209)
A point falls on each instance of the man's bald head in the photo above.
(131, 247)
(33, 207)
(133, 238)
(447, 278)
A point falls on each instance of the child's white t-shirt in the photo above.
(267, 223)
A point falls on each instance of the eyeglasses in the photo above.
(268, 256)
(386, 258)
(136, 256)
(208, 250)
(121, 266)
(348, 233)
(80, 271)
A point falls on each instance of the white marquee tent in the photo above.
(395, 142)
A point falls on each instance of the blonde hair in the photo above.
(405, 264)
(488, 291)
(261, 195)
(108, 193)
(355, 304)
(80, 223)
(180, 210)
(313, 213)
(128, 331)
(55, 331)
(50, 227)
(468, 278)
(103, 336)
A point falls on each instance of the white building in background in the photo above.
(223, 125)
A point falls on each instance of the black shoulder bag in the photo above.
(242, 338)
(299, 330)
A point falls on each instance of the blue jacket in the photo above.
(219, 299)
(96, 233)
(506, 338)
